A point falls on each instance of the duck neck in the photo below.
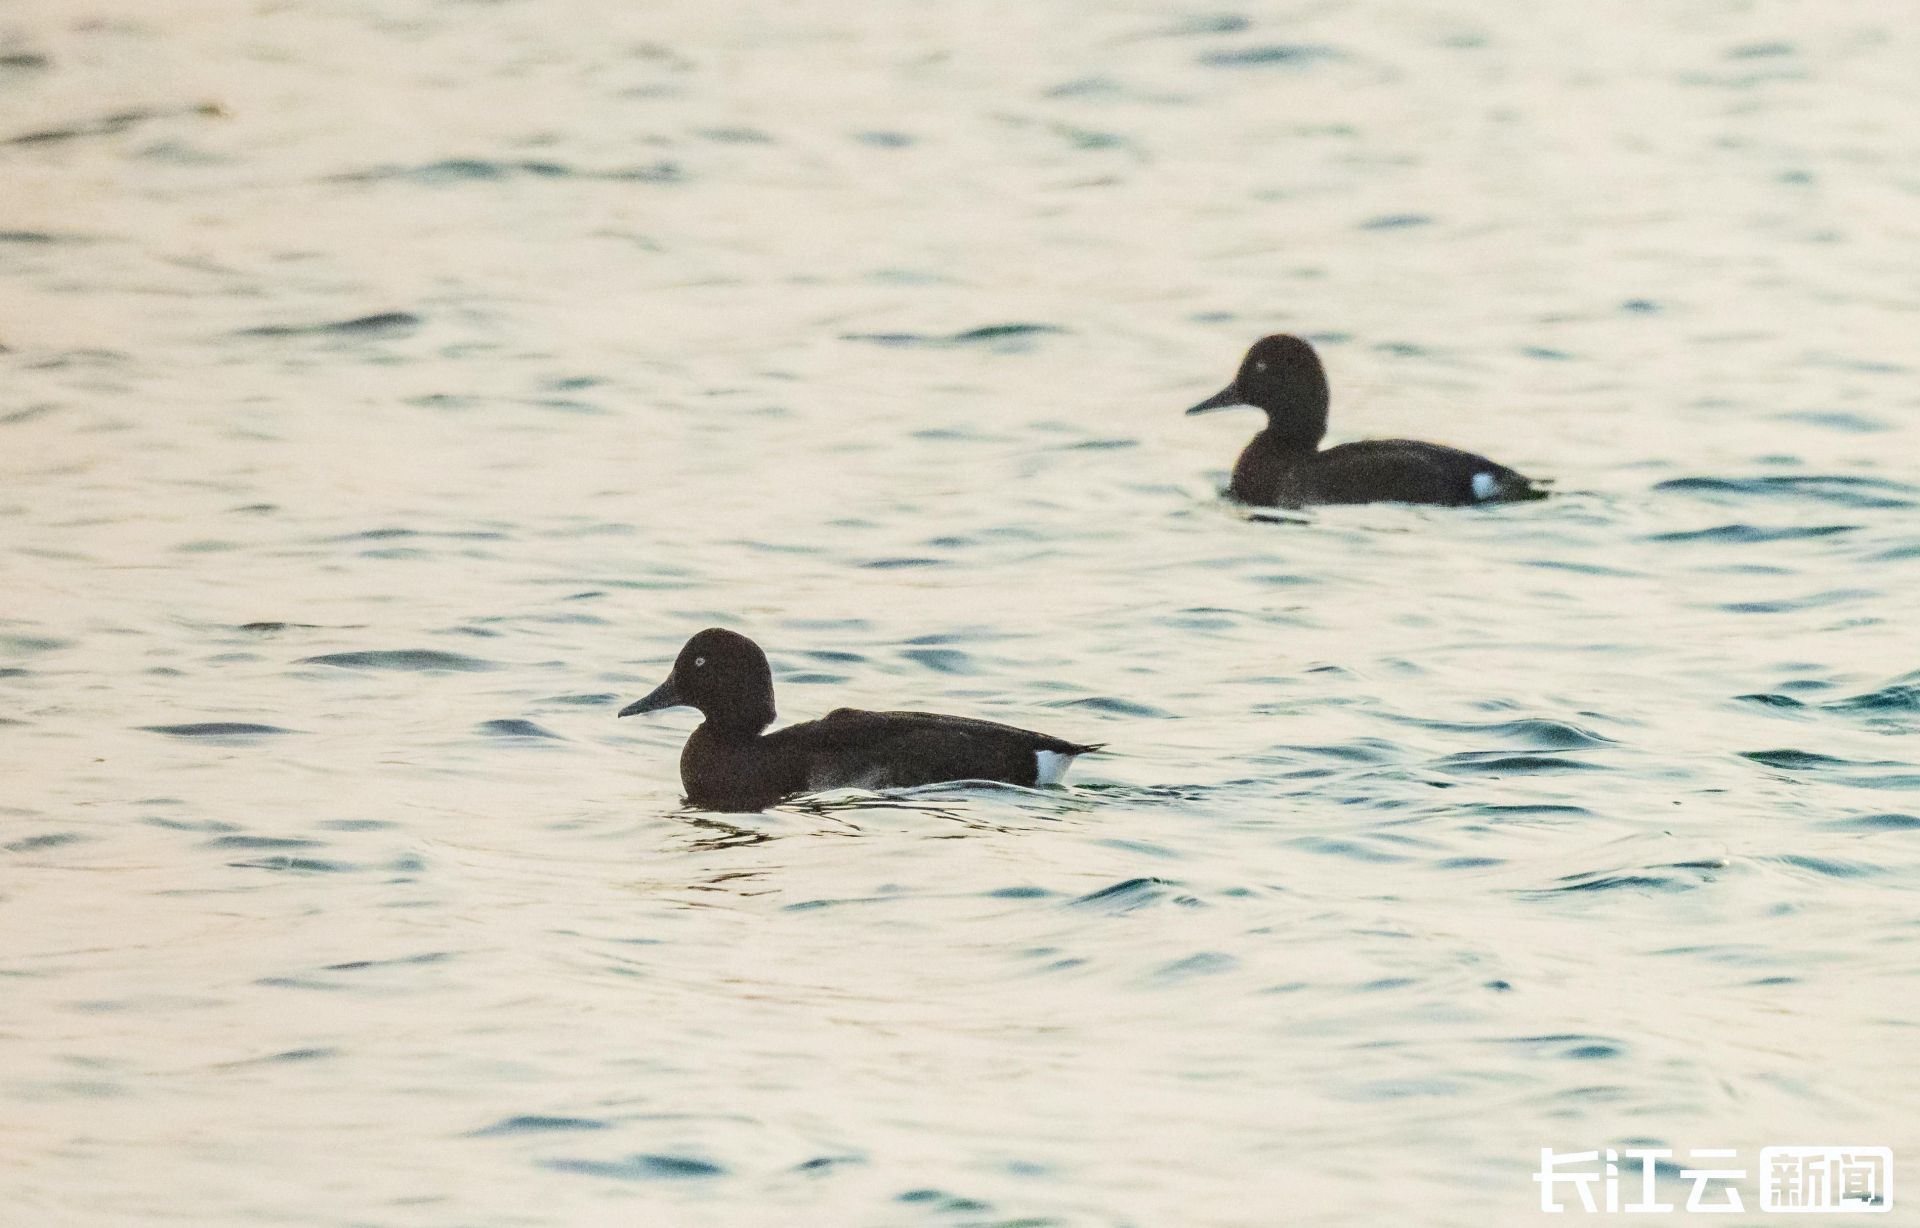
(1295, 435)
(1296, 414)
(738, 726)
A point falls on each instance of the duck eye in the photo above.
(698, 661)
(1259, 366)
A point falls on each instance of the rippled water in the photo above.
(391, 388)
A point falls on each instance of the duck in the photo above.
(730, 762)
(1284, 465)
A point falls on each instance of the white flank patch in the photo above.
(1050, 766)
(1484, 486)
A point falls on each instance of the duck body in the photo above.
(1284, 465)
(1374, 471)
(850, 748)
(730, 762)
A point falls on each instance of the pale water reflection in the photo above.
(390, 389)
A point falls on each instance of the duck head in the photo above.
(724, 675)
(1281, 375)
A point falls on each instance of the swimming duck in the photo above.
(1284, 467)
(731, 763)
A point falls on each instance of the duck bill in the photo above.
(1226, 398)
(662, 696)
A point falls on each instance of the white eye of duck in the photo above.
(699, 661)
(1259, 366)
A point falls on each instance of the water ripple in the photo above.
(1001, 337)
(487, 170)
(419, 660)
(640, 1168)
(384, 324)
(231, 731)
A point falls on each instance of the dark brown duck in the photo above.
(731, 763)
(1284, 465)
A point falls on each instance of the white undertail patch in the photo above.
(1485, 486)
(1050, 766)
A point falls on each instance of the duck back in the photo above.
(1376, 471)
(853, 748)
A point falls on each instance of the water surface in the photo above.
(390, 389)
